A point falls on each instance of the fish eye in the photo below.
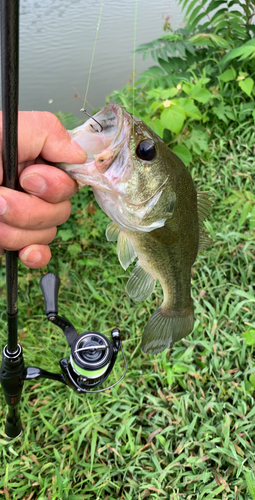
(146, 150)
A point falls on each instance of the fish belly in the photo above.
(171, 265)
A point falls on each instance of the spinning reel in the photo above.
(92, 359)
(92, 355)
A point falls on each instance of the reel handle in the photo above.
(49, 284)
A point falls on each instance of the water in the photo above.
(56, 44)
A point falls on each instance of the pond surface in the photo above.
(56, 45)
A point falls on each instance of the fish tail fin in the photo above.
(166, 327)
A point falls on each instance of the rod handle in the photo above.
(49, 284)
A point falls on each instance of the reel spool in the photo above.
(90, 356)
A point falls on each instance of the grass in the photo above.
(181, 425)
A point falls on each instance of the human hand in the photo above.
(28, 219)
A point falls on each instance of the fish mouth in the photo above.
(102, 137)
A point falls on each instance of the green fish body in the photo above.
(157, 215)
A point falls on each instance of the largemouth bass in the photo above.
(156, 214)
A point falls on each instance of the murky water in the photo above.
(56, 44)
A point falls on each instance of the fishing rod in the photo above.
(92, 356)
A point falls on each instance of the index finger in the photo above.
(41, 133)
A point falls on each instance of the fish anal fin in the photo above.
(164, 328)
(125, 250)
(112, 232)
(140, 284)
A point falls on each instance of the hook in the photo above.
(86, 113)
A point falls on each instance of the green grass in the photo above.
(181, 425)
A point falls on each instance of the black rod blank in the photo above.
(10, 86)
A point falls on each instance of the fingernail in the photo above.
(78, 148)
(34, 183)
(3, 206)
(31, 256)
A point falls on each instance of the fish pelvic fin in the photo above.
(204, 206)
(112, 232)
(140, 284)
(125, 250)
(166, 327)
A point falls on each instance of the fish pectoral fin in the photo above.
(112, 232)
(164, 235)
(140, 284)
(125, 250)
(164, 328)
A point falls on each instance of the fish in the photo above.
(157, 215)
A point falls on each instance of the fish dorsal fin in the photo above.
(140, 284)
(125, 250)
(204, 206)
(112, 232)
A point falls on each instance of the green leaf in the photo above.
(65, 234)
(246, 210)
(250, 480)
(183, 153)
(172, 118)
(190, 108)
(169, 93)
(93, 448)
(228, 75)
(252, 379)
(198, 93)
(197, 140)
(157, 127)
(246, 85)
(235, 208)
(180, 368)
(209, 40)
(169, 376)
(252, 219)
(74, 249)
(249, 337)
(219, 111)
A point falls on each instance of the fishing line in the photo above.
(133, 81)
(91, 64)
(134, 54)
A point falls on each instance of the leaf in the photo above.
(219, 111)
(157, 127)
(170, 376)
(209, 40)
(65, 234)
(197, 140)
(249, 337)
(246, 85)
(198, 93)
(180, 368)
(250, 479)
(183, 153)
(190, 108)
(169, 93)
(74, 249)
(252, 379)
(244, 51)
(172, 118)
(252, 219)
(228, 75)
(93, 448)
(246, 209)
